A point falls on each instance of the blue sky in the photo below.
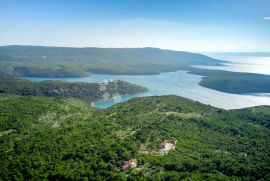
(191, 25)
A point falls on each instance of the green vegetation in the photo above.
(234, 82)
(54, 139)
(41, 61)
(89, 92)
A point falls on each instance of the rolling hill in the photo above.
(65, 139)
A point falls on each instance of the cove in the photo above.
(179, 83)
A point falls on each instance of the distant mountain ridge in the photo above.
(41, 61)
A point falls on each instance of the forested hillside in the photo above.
(41, 61)
(49, 138)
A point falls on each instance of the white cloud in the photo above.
(266, 18)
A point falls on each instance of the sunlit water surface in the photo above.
(186, 85)
(252, 64)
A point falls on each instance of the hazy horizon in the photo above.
(204, 52)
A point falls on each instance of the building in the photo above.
(130, 164)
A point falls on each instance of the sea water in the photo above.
(179, 83)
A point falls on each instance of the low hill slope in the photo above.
(233, 82)
(89, 92)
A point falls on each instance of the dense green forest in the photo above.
(233, 82)
(89, 92)
(45, 138)
(41, 61)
